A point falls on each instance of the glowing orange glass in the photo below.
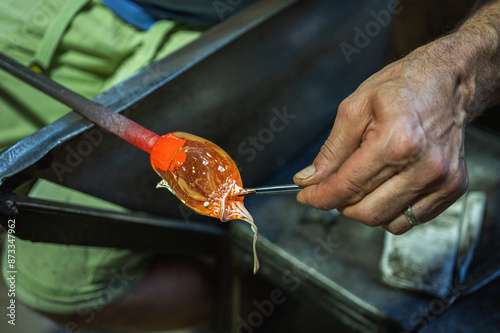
(203, 177)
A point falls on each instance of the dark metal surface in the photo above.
(47, 221)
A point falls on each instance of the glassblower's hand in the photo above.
(398, 140)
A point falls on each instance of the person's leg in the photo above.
(174, 293)
(94, 287)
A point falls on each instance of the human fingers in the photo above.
(345, 137)
(425, 209)
(387, 149)
(358, 175)
(384, 204)
(428, 199)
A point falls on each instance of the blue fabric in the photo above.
(131, 12)
(144, 13)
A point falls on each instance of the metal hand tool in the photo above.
(276, 189)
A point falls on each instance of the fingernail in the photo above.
(306, 173)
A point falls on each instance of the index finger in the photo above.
(383, 153)
(345, 137)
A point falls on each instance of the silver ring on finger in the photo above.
(410, 216)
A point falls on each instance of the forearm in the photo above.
(476, 48)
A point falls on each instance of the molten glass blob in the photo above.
(203, 177)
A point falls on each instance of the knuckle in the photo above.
(345, 106)
(328, 150)
(369, 218)
(343, 113)
(451, 177)
(464, 184)
(324, 207)
(323, 203)
(396, 231)
(398, 226)
(458, 184)
(352, 107)
(351, 192)
(405, 146)
(366, 215)
(437, 170)
(314, 198)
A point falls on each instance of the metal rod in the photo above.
(97, 113)
(276, 189)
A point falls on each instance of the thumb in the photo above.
(344, 139)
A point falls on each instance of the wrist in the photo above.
(466, 62)
(476, 60)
